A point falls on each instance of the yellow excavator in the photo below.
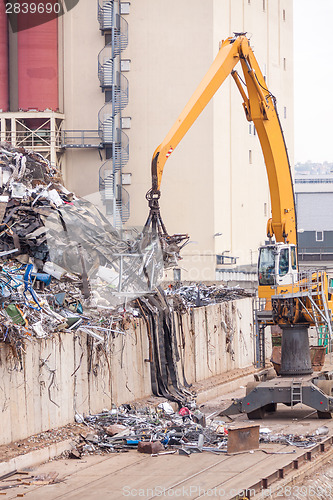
(293, 300)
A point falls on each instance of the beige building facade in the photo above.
(214, 185)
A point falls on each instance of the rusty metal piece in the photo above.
(317, 354)
(150, 447)
(4, 476)
(276, 358)
(243, 438)
(264, 482)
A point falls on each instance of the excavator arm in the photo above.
(260, 107)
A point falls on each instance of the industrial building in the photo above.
(97, 89)
(314, 205)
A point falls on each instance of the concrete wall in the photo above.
(218, 338)
(65, 374)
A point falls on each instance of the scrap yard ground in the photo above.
(202, 475)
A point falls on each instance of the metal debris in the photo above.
(299, 440)
(46, 225)
(197, 295)
(151, 430)
(155, 430)
(65, 268)
(29, 479)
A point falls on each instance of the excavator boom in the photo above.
(260, 107)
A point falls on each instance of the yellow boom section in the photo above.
(259, 106)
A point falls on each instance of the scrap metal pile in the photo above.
(42, 222)
(34, 304)
(197, 295)
(64, 267)
(57, 250)
(299, 440)
(151, 430)
(160, 430)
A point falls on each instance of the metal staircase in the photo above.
(311, 291)
(105, 14)
(105, 123)
(105, 66)
(262, 317)
(120, 35)
(116, 88)
(115, 196)
(296, 393)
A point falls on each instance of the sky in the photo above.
(313, 80)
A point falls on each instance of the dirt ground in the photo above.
(8, 451)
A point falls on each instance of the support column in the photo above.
(13, 131)
(3, 130)
(53, 155)
(295, 350)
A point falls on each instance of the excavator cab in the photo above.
(277, 264)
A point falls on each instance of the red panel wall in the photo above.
(37, 55)
(3, 59)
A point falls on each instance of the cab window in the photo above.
(293, 258)
(284, 262)
(266, 266)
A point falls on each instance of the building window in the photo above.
(125, 8)
(125, 64)
(250, 156)
(284, 64)
(252, 129)
(264, 5)
(284, 14)
(126, 122)
(319, 235)
(225, 259)
(126, 179)
(265, 209)
(284, 112)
